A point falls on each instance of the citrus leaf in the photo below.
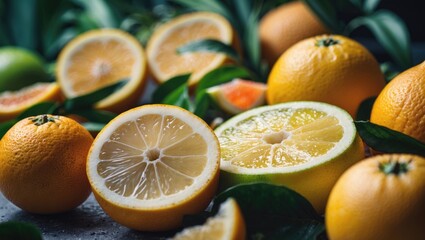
(169, 86)
(365, 108)
(5, 126)
(19, 230)
(221, 75)
(101, 12)
(93, 126)
(209, 45)
(284, 213)
(386, 140)
(94, 115)
(88, 100)
(202, 104)
(180, 97)
(370, 5)
(209, 6)
(22, 19)
(390, 31)
(326, 11)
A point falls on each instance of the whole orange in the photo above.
(286, 25)
(327, 68)
(42, 164)
(401, 104)
(381, 197)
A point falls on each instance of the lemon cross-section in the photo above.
(136, 163)
(303, 145)
(153, 164)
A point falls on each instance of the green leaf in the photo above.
(365, 108)
(22, 19)
(251, 39)
(273, 212)
(88, 100)
(209, 6)
(94, 115)
(93, 126)
(389, 71)
(169, 86)
(180, 97)
(390, 31)
(326, 11)
(101, 12)
(370, 5)
(19, 230)
(38, 109)
(383, 139)
(5, 126)
(202, 104)
(209, 45)
(221, 75)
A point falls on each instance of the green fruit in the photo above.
(20, 68)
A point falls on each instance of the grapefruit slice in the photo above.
(305, 146)
(165, 62)
(238, 95)
(99, 58)
(153, 164)
(12, 103)
(227, 224)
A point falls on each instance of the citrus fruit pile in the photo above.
(153, 164)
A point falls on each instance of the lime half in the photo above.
(302, 145)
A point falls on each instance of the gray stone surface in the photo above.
(88, 221)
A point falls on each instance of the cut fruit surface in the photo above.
(303, 145)
(99, 58)
(12, 103)
(238, 95)
(153, 164)
(165, 62)
(227, 224)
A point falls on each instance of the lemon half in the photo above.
(303, 145)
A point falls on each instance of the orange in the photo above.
(152, 165)
(42, 164)
(165, 62)
(99, 58)
(401, 104)
(379, 198)
(286, 25)
(227, 224)
(238, 95)
(12, 103)
(327, 68)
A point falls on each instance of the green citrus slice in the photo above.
(303, 145)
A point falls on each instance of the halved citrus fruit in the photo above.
(227, 224)
(153, 164)
(165, 62)
(303, 145)
(12, 103)
(238, 95)
(99, 58)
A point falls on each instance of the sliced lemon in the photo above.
(303, 145)
(165, 62)
(153, 164)
(12, 103)
(227, 224)
(99, 58)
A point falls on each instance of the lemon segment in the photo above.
(227, 224)
(99, 58)
(303, 145)
(152, 161)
